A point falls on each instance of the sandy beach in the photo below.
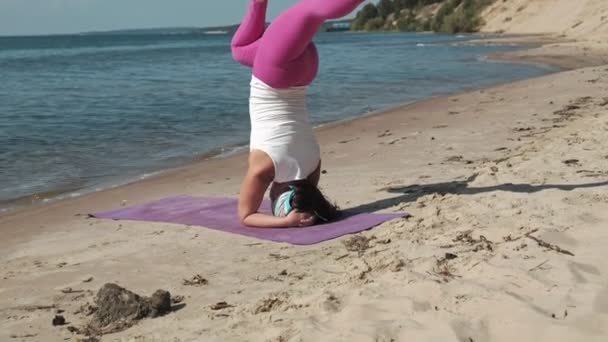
(508, 191)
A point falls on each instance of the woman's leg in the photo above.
(246, 39)
(286, 56)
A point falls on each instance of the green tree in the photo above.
(367, 13)
(374, 24)
(405, 15)
(409, 23)
(460, 17)
(446, 9)
(385, 8)
(428, 2)
(410, 4)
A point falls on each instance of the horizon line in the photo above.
(90, 32)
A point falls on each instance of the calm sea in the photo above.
(80, 113)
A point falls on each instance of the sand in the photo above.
(508, 191)
(581, 18)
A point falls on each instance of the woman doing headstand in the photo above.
(284, 153)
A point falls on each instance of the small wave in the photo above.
(216, 32)
(148, 175)
(230, 151)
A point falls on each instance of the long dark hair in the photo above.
(309, 199)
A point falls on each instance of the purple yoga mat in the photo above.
(221, 214)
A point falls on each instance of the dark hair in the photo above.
(308, 198)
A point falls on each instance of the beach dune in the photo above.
(581, 19)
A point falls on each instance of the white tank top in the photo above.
(280, 127)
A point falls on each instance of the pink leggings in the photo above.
(284, 55)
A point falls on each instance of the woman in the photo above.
(284, 153)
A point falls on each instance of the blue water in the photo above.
(82, 112)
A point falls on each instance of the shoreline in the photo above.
(41, 199)
(506, 186)
(239, 158)
(549, 49)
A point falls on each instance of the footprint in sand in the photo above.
(586, 199)
(332, 303)
(286, 335)
(601, 302)
(559, 238)
(470, 331)
(422, 306)
(529, 302)
(577, 270)
(589, 218)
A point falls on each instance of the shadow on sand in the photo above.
(411, 193)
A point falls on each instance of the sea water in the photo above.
(82, 112)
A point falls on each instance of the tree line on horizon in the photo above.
(449, 16)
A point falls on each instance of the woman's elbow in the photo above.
(243, 218)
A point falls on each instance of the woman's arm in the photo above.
(259, 176)
(251, 196)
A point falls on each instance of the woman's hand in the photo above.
(299, 219)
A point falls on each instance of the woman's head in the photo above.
(309, 199)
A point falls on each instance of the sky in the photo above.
(39, 17)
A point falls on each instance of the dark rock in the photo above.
(119, 309)
(450, 256)
(58, 320)
(116, 303)
(160, 303)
